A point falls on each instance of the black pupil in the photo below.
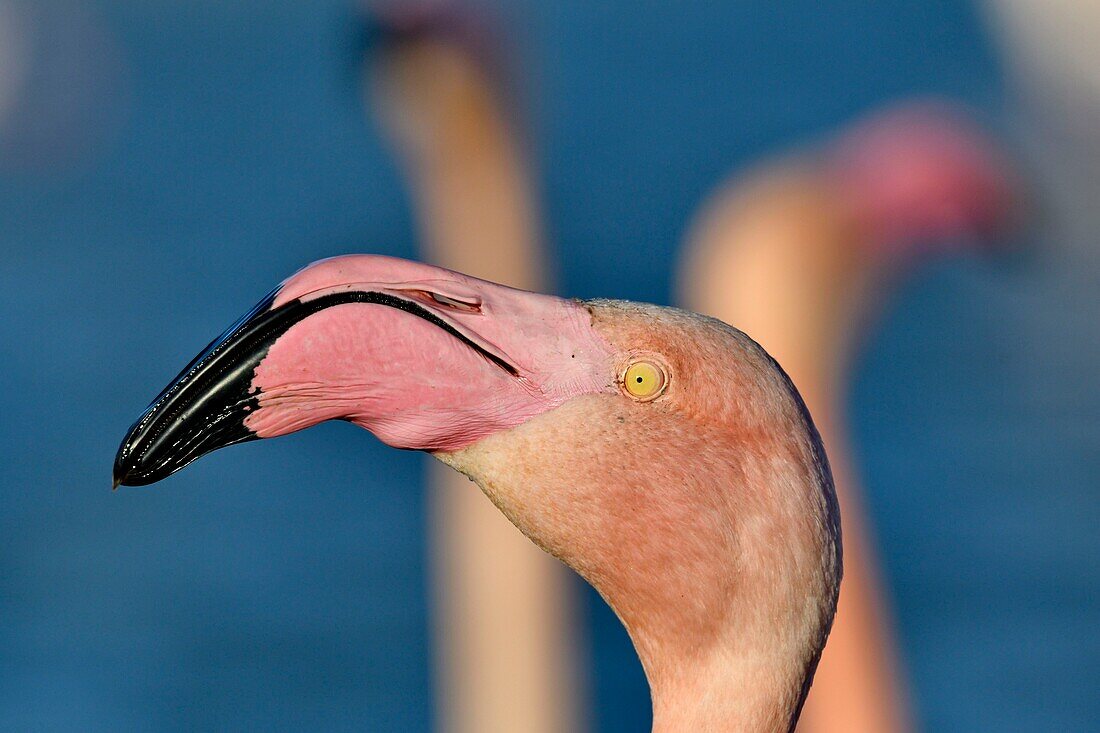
(640, 380)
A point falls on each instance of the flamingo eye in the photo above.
(644, 380)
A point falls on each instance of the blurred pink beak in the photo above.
(423, 357)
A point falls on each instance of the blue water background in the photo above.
(280, 585)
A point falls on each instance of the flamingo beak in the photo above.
(424, 358)
(202, 409)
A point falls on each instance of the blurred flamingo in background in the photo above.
(800, 254)
(436, 88)
(65, 86)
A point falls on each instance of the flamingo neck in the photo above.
(756, 693)
(734, 704)
(729, 626)
(722, 562)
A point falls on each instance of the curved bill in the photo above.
(206, 405)
(203, 408)
(423, 357)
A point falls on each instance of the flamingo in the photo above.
(661, 454)
(801, 252)
(503, 646)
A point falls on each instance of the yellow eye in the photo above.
(644, 380)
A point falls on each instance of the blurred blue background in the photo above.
(186, 156)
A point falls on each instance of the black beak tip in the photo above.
(133, 468)
(203, 408)
(121, 470)
(124, 472)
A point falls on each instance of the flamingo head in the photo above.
(923, 174)
(663, 455)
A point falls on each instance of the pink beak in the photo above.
(423, 357)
